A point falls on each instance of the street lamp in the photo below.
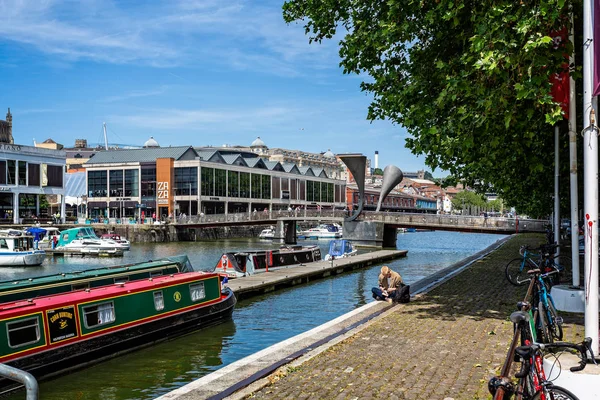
(190, 200)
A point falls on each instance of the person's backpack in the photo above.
(403, 295)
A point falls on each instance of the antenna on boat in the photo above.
(105, 137)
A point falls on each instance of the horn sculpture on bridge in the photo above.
(392, 176)
(357, 164)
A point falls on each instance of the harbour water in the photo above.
(257, 323)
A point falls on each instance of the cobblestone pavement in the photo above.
(446, 344)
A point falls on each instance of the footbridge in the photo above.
(379, 228)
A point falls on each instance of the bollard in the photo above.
(15, 374)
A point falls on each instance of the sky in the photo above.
(187, 72)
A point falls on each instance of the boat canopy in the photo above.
(339, 247)
(67, 236)
(37, 233)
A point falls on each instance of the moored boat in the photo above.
(323, 231)
(33, 287)
(17, 250)
(240, 264)
(340, 248)
(121, 241)
(49, 335)
(84, 238)
(268, 233)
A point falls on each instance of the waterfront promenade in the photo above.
(443, 345)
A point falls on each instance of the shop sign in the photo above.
(162, 193)
(214, 198)
(4, 189)
(285, 194)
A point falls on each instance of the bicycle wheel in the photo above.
(556, 393)
(556, 325)
(542, 324)
(516, 271)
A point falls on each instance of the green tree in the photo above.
(469, 80)
(378, 171)
(467, 198)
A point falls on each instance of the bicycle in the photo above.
(516, 269)
(548, 323)
(532, 383)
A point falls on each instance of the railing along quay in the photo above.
(271, 281)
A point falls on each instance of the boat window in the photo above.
(23, 332)
(99, 314)
(3, 244)
(80, 286)
(159, 302)
(155, 273)
(197, 291)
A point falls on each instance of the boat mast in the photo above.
(105, 137)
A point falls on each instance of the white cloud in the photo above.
(196, 119)
(164, 34)
(135, 94)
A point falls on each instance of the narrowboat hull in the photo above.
(237, 265)
(84, 353)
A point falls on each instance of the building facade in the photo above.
(170, 181)
(26, 173)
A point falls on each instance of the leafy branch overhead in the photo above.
(468, 79)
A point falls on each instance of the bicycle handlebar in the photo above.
(525, 352)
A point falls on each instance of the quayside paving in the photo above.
(296, 275)
(444, 344)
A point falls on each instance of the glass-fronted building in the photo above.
(26, 173)
(168, 181)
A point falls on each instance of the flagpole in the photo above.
(573, 166)
(590, 154)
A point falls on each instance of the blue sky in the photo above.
(185, 72)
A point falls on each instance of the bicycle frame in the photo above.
(544, 296)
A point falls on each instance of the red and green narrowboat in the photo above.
(29, 288)
(49, 335)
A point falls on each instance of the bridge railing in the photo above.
(433, 220)
(256, 216)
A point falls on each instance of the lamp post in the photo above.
(190, 200)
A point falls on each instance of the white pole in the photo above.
(590, 154)
(556, 196)
(573, 168)
(105, 137)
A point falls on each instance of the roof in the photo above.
(258, 143)
(141, 155)
(234, 159)
(274, 166)
(291, 168)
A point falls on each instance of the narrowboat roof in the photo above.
(95, 272)
(24, 307)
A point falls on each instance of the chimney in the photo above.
(376, 159)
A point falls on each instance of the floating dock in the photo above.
(293, 275)
(84, 253)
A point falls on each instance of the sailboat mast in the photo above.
(105, 137)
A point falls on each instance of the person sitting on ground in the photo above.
(389, 284)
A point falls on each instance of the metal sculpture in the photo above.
(357, 164)
(392, 176)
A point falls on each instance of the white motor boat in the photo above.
(268, 233)
(16, 250)
(323, 231)
(85, 239)
(121, 241)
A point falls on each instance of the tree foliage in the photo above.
(468, 79)
(467, 198)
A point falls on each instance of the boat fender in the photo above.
(224, 262)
